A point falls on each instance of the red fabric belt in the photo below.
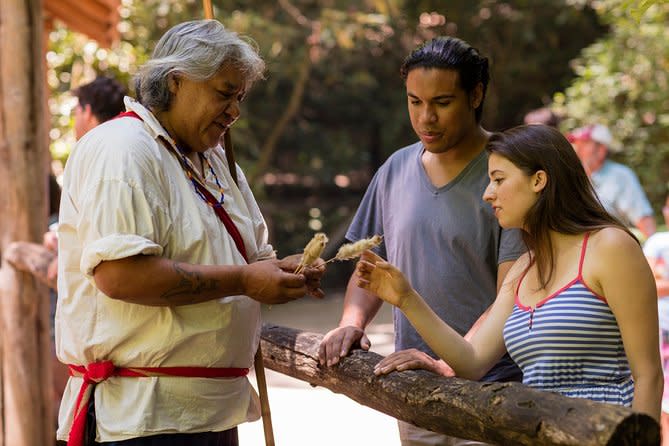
(97, 372)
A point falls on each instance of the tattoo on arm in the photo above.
(191, 284)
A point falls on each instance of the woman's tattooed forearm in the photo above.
(191, 284)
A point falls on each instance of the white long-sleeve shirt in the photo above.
(125, 194)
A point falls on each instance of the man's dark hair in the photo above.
(451, 53)
(104, 95)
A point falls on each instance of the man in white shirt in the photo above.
(164, 258)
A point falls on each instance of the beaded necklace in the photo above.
(189, 168)
(209, 198)
(207, 165)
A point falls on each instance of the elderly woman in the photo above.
(164, 259)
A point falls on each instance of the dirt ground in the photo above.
(303, 415)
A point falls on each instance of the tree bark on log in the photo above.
(497, 413)
(27, 415)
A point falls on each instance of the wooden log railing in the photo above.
(498, 413)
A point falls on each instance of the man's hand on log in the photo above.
(338, 342)
(412, 359)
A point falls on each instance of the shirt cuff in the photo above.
(114, 247)
(265, 253)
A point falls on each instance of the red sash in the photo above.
(99, 371)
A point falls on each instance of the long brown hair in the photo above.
(567, 205)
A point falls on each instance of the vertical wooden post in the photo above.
(208, 9)
(27, 415)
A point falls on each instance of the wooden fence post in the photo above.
(27, 417)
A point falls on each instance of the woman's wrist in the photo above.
(409, 302)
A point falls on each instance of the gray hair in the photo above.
(196, 49)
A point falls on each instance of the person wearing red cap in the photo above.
(617, 186)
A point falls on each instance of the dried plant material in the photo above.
(353, 250)
(312, 251)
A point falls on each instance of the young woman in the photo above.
(578, 311)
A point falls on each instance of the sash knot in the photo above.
(99, 371)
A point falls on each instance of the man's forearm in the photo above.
(156, 281)
(360, 306)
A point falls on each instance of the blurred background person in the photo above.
(656, 249)
(543, 115)
(97, 102)
(617, 185)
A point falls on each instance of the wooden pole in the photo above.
(208, 9)
(264, 399)
(257, 362)
(27, 415)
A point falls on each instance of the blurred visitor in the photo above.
(97, 102)
(656, 249)
(617, 186)
(543, 115)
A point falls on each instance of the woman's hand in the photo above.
(383, 279)
(412, 359)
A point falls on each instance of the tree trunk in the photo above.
(498, 413)
(27, 416)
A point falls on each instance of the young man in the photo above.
(426, 200)
(617, 185)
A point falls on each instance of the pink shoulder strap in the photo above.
(583, 248)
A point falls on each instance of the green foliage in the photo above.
(623, 82)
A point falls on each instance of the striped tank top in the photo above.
(570, 343)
